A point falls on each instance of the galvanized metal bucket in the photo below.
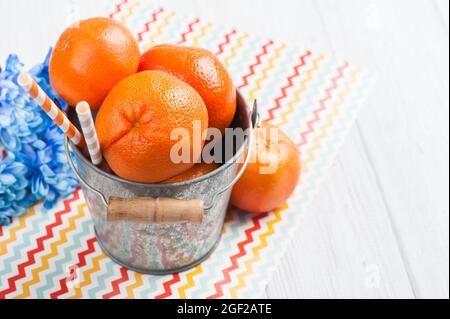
(186, 218)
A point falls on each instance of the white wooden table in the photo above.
(379, 227)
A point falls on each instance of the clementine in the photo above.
(203, 71)
(136, 120)
(91, 57)
(195, 172)
(272, 176)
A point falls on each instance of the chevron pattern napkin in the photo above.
(312, 96)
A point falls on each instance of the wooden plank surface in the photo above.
(379, 226)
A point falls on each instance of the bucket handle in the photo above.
(145, 210)
(164, 210)
(149, 210)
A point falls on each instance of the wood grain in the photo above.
(148, 210)
(379, 226)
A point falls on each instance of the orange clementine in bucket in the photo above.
(272, 175)
(91, 57)
(136, 120)
(197, 171)
(203, 71)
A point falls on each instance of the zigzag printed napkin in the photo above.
(314, 97)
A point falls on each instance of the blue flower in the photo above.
(15, 196)
(36, 167)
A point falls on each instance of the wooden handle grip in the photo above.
(148, 210)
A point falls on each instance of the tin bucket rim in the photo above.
(226, 165)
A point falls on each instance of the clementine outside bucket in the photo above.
(162, 228)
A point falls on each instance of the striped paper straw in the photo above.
(49, 107)
(90, 135)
